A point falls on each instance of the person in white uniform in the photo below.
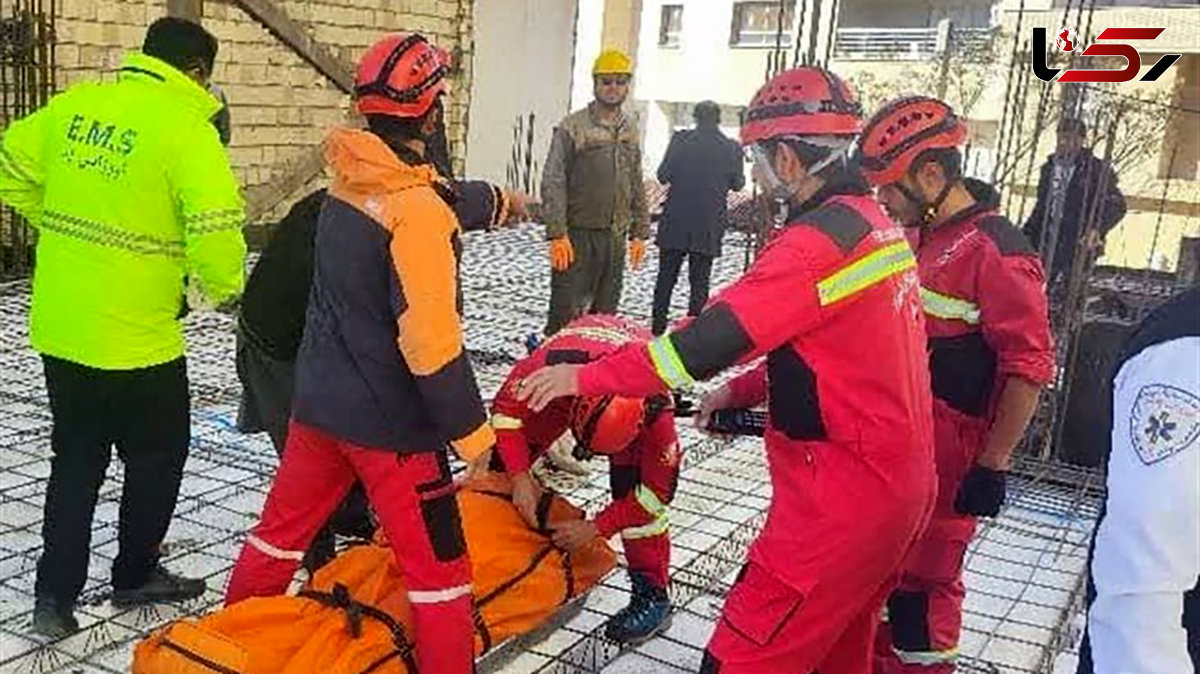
(1144, 596)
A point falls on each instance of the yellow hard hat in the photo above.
(612, 62)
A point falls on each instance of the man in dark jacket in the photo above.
(271, 322)
(1077, 204)
(701, 166)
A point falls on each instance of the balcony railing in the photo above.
(872, 44)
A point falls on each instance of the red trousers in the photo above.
(648, 553)
(924, 617)
(751, 639)
(413, 496)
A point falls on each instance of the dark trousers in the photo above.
(593, 284)
(267, 385)
(144, 413)
(699, 275)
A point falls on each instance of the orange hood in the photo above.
(363, 163)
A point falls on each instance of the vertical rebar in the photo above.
(1069, 323)
(814, 29)
(529, 154)
(7, 219)
(1162, 206)
(1005, 121)
(833, 28)
(803, 14)
(776, 58)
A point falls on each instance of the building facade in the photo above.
(973, 53)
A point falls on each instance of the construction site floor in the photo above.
(1024, 569)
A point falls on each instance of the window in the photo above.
(671, 26)
(757, 24)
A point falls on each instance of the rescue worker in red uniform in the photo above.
(832, 302)
(990, 353)
(637, 435)
(383, 383)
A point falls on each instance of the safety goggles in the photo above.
(762, 171)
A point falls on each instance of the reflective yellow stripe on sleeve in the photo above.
(668, 364)
(949, 308)
(653, 506)
(503, 422)
(649, 500)
(866, 272)
(659, 526)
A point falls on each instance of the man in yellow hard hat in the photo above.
(594, 201)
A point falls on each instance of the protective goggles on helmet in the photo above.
(763, 168)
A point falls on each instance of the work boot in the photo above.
(648, 613)
(561, 455)
(161, 587)
(53, 620)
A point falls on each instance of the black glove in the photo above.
(982, 492)
(739, 421)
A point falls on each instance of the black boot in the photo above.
(648, 614)
(53, 619)
(161, 587)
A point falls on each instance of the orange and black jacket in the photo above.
(382, 364)
(275, 301)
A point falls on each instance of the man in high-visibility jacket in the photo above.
(130, 203)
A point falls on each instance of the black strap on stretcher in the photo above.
(355, 611)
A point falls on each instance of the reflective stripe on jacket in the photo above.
(132, 193)
(986, 311)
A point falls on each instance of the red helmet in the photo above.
(901, 131)
(402, 76)
(606, 424)
(806, 101)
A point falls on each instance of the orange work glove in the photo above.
(562, 254)
(637, 252)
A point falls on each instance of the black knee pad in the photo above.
(908, 616)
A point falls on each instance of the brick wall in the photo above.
(281, 106)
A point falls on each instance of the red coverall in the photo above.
(986, 314)
(833, 303)
(643, 477)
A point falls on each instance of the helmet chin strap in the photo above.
(928, 209)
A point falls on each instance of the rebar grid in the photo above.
(1022, 571)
